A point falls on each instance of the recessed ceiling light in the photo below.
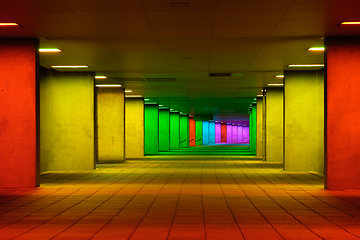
(49, 50)
(128, 91)
(263, 90)
(280, 76)
(253, 102)
(260, 95)
(70, 66)
(316, 49)
(108, 85)
(100, 77)
(146, 99)
(8, 24)
(161, 105)
(179, 4)
(306, 65)
(350, 23)
(275, 84)
(171, 109)
(133, 96)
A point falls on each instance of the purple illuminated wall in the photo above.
(234, 134)
(240, 133)
(228, 133)
(245, 138)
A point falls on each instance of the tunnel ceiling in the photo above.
(167, 49)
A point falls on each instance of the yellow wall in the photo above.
(134, 128)
(304, 121)
(66, 121)
(274, 124)
(259, 127)
(110, 124)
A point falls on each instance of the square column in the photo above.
(151, 129)
(245, 134)
(240, 134)
(259, 127)
(234, 134)
(67, 121)
(199, 133)
(223, 132)
(228, 133)
(134, 128)
(217, 132)
(110, 124)
(164, 130)
(19, 129)
(174, 130)
(206, 133)
(211, 132)
(192, 132)
(184, 131)
(342, 113)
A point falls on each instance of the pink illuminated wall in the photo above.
(228, 133)
(234, 134)
(245, 138)
(217, 132)
(240, 133)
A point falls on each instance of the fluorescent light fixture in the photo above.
(161, 105)
(260, 95)
(171, 109)
(128, 91)
(350, 23)
(253, 102)
(280, 76)
(70, 66)
(275, 84)
(8, 24)
(49, 50)
(133, 96)
(100, 77)
(146, 99)
(306, 65)
(108, 85)
(316, 49)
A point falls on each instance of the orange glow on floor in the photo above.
(177, 197)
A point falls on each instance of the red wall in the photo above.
(342, 161)
(192, 132)
(223, 132)
(19, 166)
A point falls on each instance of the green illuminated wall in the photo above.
(198, 132)
(164, 129)
(174, 130)
(304, 121)
(184, 131)
(274, 124)
(151, 129)
(252, 130)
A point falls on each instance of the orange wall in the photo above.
(223, 132)
(342, 113)
(19, 165)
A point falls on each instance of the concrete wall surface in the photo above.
(134, 128)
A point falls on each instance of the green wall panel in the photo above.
(164, 130)
(174, 130)
(198, 133)
(184, 131)
(252, 130)
(151, 129)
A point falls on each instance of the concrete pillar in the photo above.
(174, 130)
(206, 133)
(134, 128)
(199, 134)
(217, 132)
(19, 130)
(110, 124)
(228, 133)
(304, 121)
(259, 127)
(151, 129)
(67, 139)
(223, 132)
(245, 134)
(240, 134)
(192, 132)
(234, 133)
(342, 113)
(164, 130)
(211, 132)
(274, 125)
(184, 131)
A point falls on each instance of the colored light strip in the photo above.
(275, 84)
(306, 65)
(108, 85)
(8, 24)
(260, 95)
(70, 66)
(316, 49)
(128, 91)
(279, 76)
(133, 96)
(350, 23)
(161, 105)
(49, 50)
(100, 77)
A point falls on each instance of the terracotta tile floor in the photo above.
(178, 197)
